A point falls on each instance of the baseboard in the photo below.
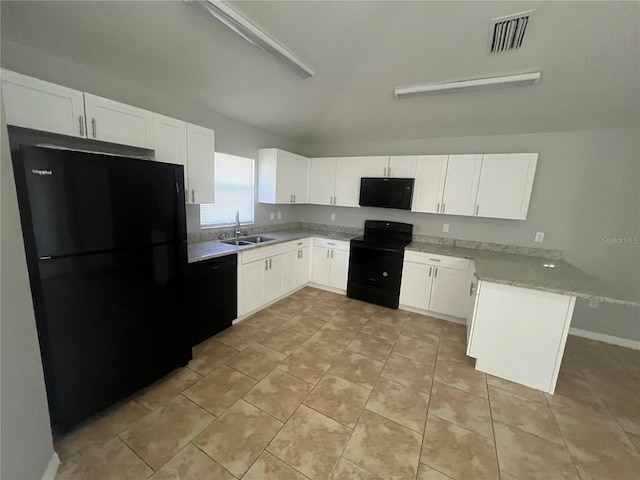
(601, 337)
(52, 468)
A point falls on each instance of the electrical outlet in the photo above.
(539, 237)
(279, 215)
(272, 215)
(333, 217)
(445, 227)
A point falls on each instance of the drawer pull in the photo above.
(435, 274)
(435, 260)
(430, 269)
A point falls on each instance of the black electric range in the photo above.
(375, 262)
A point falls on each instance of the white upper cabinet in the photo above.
(403, 166)
(39, 105)
(116, 122)
(431, 171)
(322, 180)
(171, 142)
(282, 176)
(200, 159)
(505, 185)
(349, 171)
(461, 184)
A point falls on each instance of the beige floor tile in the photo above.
(390, 316)
(209, 355)
(269, 320)
(305, 324)
(458, 452)
(506, 476)
(422, 327)
(609, 468)
(220, 389)
(620, 393)
(461, 377)
(418, 350)
(323, 311)
(428, 473)
(256, 361)
(162, 391)
(416, 375)
(516, 388)
(336, 327)
(371, 346)
(523, 413)
(306, 364)
(238, 437)
(345, 470)
(311, 443)
(454, 351)
(240, 336)
(327, 343)
(576, 387)
(98, 430)
(454, 331)
(332, 299)
(284, 340)
(461, 408)
(289, 307)
(192, 464)
(353, 317)
(268, 467)
(528, 456)
(159, 436)
(366, 309)
(338, 399)
(382, 446)
(279, 394)
(399, 403)
(357, 369)
(383, 330)
(112, 461)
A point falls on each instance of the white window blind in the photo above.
(234, 191)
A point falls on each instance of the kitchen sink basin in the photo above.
(257, 239)
(236, 242)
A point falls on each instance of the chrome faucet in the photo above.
(237, 224)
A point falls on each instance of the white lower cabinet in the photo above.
(251, 283)
(296, 268)
(330, 263)
(435, 283)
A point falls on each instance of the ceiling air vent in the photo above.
(507, 33)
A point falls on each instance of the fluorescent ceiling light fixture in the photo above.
(451, 87)
(247, 30)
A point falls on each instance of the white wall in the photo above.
(587, 186)
(25, 439)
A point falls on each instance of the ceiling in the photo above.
(589, 55)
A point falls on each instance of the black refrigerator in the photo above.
(105, 239)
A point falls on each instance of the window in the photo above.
(234, 192)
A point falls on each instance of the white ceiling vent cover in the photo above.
(507, 33)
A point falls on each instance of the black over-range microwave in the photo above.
(386, 192)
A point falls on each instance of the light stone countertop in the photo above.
(513, 269)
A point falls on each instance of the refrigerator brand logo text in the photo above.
(42, 172)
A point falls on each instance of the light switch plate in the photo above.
(279, 215)
(333, 217)
(272, 215)
(445, 227)
(539, 237)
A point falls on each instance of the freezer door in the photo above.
(109, 324)
(78, 202)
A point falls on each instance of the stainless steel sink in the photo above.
(236, 242)
(257, 239)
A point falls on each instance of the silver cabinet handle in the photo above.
(435, 274)
(477, 209)
(269, 263)
(385, 172)
(331, 253)
(443, 205)
(435, 260)
(327, 253)
(335, 200)
(438, 208)
(93, 127)
(193, 196)
(294, 199)
(389, 172)
(81, 121)
(266, 264)
(430, 269)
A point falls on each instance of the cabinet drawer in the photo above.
(437, 260)
(297, 244)
(260, 253)
(331, 244)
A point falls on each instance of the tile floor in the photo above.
(319, 386)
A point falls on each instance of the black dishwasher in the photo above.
(211, 296)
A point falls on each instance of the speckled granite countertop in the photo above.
(214, 248)
(528, 272)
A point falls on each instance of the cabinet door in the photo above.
(415, 288)
(39, 105)
(251, 286)
(339, 269)
(449, 292)
(322, 180)
(171, 142)
(403, 166)
(290, 266)
(505, 185)
(320, 272)
(349, 171)
(200, 159)
(116, 122)
(461, 184)
(431, 171)
(273, 279)
(302, 267)
(291, 177)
